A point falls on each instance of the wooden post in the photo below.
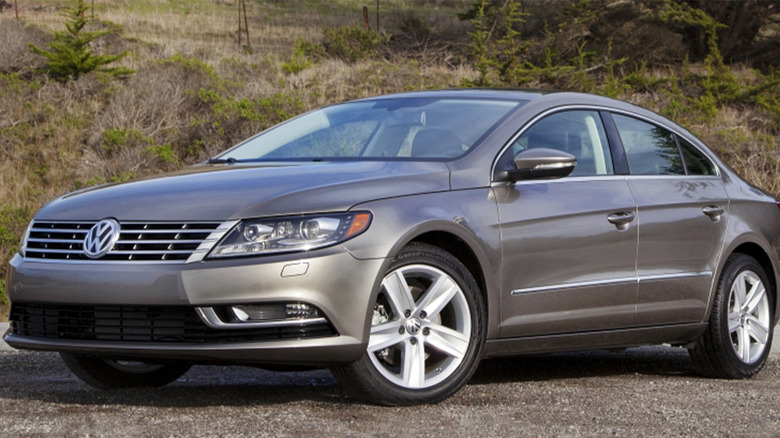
(242, 9)
(93, 9)
(377, 16)
(365, 17)
(16, 9)
(246, 24)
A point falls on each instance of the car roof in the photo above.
(488, 93)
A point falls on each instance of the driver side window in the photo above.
(579, 132)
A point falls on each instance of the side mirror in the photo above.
(540, 163)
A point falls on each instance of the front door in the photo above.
(568, 245)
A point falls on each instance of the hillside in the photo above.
(196, 91)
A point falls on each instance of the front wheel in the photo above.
(427, 332)
(113, 374)
(737, 341)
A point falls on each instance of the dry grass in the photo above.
(193, 81)
(55, 137)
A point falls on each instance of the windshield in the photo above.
(401, 128)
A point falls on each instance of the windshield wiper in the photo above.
(222, 160)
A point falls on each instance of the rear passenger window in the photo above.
(695, 161)
(580, 133)
(650, 150)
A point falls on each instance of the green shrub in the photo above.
(69, 55)
(303, 56)
(163, 152)
(353, 43)
(114, 139)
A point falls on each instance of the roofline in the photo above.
(499, 93)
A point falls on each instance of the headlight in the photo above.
(290, 234)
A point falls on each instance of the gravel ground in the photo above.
(638, 392)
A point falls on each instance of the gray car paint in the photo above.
(219, 192)
(457, 203)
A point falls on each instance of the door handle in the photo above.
(713, 211)
(621, 220)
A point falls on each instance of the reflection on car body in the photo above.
(400, 239)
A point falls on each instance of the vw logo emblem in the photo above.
(413, 325)
(101, 238)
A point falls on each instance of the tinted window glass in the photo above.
(398, 128)
(580, 133)
(695, 162)
(650, 150)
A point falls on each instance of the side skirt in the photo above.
(636, 337)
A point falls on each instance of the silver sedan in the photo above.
(400, 239)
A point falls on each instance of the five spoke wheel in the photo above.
(420, 328)
(427, 331)
(736, 342)
(748, 317)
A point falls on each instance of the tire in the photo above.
(737, 341)
(113, 374)
(427, 332)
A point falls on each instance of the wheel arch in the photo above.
(460, 250)
(758, 254)
(465, 248)
(763, 256)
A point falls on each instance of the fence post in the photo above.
(377, 16)
(16, 9)
(246, 24)
(365, 18)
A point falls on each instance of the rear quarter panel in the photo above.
(754, 219)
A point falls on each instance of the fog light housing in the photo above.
(272, 312)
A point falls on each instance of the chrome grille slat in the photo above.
(139, 242)
(55, 251)
(183, 231)
(156, 242)
(142, 251)
(58, 230)
(55, 240)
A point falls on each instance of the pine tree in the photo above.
(69, 54)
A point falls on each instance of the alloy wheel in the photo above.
(421, 327)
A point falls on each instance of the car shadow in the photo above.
(658, 361)
(45, 378)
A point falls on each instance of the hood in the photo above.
(222, 192)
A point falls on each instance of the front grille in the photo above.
(138, 241)
(144, 324)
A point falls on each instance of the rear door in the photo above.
(568, 245)
(683, 211)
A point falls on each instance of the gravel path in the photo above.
(639, 392)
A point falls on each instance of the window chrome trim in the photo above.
(610, 281)
(597, 108)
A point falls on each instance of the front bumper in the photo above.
(333, 281)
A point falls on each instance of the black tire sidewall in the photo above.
(727, 357)
(95, 372)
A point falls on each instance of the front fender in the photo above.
(469, 215)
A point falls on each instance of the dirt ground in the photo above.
(637, 392)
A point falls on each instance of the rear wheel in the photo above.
(737, 341)
(112, 374)
(427, 332)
